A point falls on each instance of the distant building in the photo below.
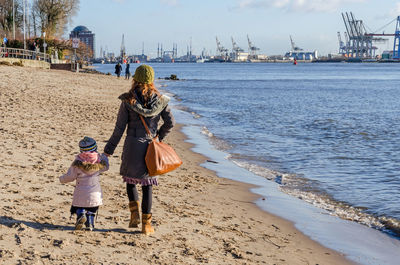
(240, 56)
(142, 58)
(168, 56)
(85, 36)
(300, 55)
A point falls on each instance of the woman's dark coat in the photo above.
(133, 155)
(118, 69)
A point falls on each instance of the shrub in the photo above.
(17, 44)
(5, 63)
(18, 63)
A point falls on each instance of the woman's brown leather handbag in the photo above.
(160, 157)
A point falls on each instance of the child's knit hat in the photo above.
(87, 144)
(144, 74)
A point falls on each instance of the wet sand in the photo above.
(198, 217)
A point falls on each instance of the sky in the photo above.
(313, 24)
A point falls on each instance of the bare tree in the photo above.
(34, 22)
(53, 16)
(6, 15)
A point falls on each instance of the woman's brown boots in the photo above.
(135, 217)
(147, 229)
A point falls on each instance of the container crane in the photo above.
(123, 49)
(221, 49)
(360, 44)
(235, 48)
(396, 35)
(294, 47)
(342, 46)
(396, 45)
(252, 49)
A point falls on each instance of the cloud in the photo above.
(297, 5)
(253, 4)
(170, 2)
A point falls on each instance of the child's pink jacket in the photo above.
(87, 190)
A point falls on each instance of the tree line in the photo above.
(49, 16)
(41, 16)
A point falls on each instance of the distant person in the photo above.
(5, 40)
(86, 169)
(127, 71)
(118, 70)
(143, 99)
(37, 49)
(34, 49)
(1, 48)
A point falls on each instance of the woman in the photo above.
(118, 69)
(145, 100)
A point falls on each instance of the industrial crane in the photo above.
(123, 49)
(235, 48)
(252, 49)
(221, 49)
(360, 44)
(342, 45)
(396, 35)
(294, 47)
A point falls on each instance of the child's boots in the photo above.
(135, 216)
(80, 218)
(90, 220)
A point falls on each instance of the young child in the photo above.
(86, 169)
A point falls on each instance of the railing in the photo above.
(23, 54)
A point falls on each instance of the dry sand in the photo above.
(198, 217)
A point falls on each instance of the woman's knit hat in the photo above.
(87, 144)
(144, 74)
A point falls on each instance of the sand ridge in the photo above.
(198, 217)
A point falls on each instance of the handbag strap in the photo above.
(145, 126)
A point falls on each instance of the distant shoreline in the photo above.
(278, 61)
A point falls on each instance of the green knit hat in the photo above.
(144, 74)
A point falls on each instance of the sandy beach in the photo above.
(198, 217)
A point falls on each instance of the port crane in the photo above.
(346, 37)
(221, 49)
(235, 48)
(342, 45)
(360, 43)
(396, 35)
(294, 47)
(252, 49)
(123, 49)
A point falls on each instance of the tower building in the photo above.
(85, 36)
